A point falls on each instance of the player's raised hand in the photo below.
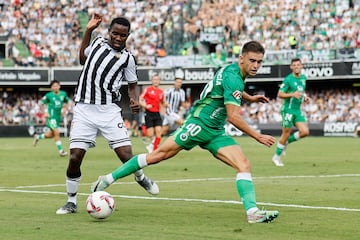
(94, 21)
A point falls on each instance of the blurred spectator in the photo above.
(52, 28)
(335, 105)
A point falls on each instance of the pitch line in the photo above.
(191, 200)
(207, 179)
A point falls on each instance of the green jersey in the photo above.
(292, 84)
(55, 103)
(226, 87)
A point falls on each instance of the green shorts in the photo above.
(53, 123)
(194, 133)
(291, 117)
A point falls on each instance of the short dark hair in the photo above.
(122, 21)
(253, 46)
(295, 60)
(53, 82)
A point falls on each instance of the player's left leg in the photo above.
(234, 157)
(168, 149)
(303, 131)
(158, 133)
(115, 132)
(280, 147)
(59, 146)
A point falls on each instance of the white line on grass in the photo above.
(18, 189)
(206, 179)
(190, 200)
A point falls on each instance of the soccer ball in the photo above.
(100, 204)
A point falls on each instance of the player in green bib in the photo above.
(55, 100)
(292, 91)
(219, 102)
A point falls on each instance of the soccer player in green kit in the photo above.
(219, 102)
(55, 101)
(292, 91)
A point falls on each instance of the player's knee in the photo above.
(304, 132)
(124, 153)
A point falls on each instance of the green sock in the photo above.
(41, 136)
(294, 137)
(126, 169)
(247, 193)
(59, 146)
(279, 149)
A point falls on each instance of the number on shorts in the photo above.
(288, 117)
(193, 129)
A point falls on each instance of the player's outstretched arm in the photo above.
(255, 98)
(234, 117)
(92, 24)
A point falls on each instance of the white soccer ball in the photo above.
(100, 204)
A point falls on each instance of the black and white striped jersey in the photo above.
(174, 98)
(103, 72)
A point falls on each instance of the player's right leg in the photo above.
(73, 176)
(82, 136)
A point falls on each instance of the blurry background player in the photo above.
(151, 100)
(56, 101)
(175, 99)
(292, 91)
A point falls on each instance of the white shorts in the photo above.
(170, 119)
(90, 119)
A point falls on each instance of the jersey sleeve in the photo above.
(144, 92)
(130, 72)
(92, 44)
(182, 97)
(66, 98)
(45, 99)
(232, 88)
(284, 87)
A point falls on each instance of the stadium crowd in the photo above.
(325, 106)
(52, 30)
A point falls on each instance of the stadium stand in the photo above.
(51, 30)
(48, 34)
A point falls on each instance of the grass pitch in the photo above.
(317, 194)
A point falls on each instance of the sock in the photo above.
(41, 136)
(157, 142)
(109, 178)
(139, 174)
(294, 137)
(131, 166)
(143, 129)
(72, 186)
(59, 146)
(245, 187)
(279, 149)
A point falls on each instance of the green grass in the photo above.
(317, 194)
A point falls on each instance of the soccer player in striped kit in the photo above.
(106, 64)
(175, 99)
